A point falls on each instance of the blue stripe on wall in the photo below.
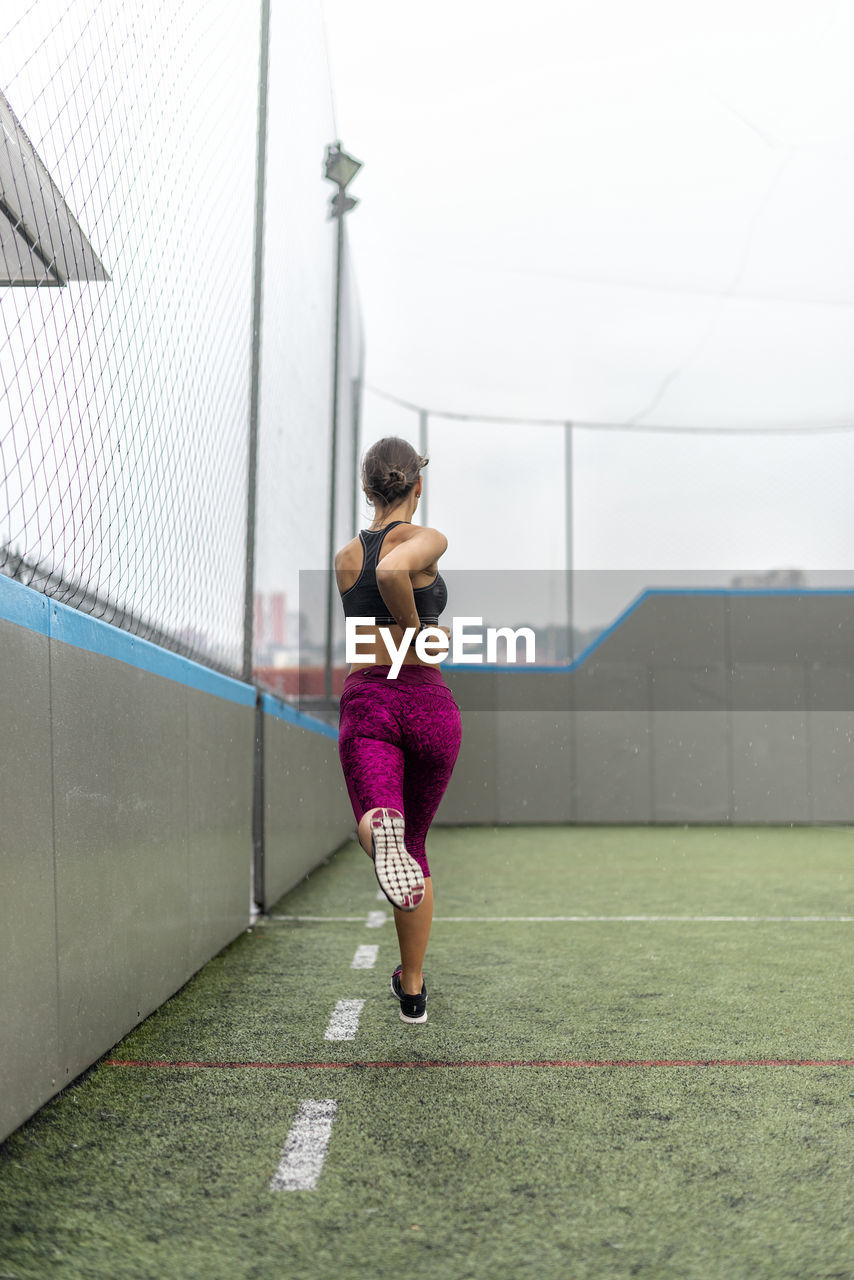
(29, 608)
(282, 711)
(649, 593)
(23, 606)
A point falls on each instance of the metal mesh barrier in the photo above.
(704, 499)
(295, 430)
(127, 232)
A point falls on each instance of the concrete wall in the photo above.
(127, 787)
(125, 835)
(696, 706)
(128, 780)
(306, 809)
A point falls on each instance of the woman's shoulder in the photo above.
(424, 531)
(439, 538)
(347, 555)
(423, 542)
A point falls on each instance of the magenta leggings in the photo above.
(398, 741)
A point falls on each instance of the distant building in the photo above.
(271, 627)
(777, 579)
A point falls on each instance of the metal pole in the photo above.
(567, 440)
(259, 889)
(422, 449)
(356, 403)
(333, 469)
(255, 375)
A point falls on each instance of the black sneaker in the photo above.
(412, 1008)
(398, 874)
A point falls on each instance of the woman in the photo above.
(398, 737)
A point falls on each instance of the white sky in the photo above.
(613, 212)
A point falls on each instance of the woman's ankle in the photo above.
(411, 981)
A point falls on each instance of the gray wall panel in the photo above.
(726, 680)
(604, 685)
(29, 1008)
(122, 867)
(770, 767)
(536, 774)
(691, 766)
(307, 812)
(535, 779)
(472, 794)
(831, 764)
(801, 627)
(613, 766)
(830, 688)
(220, 763)
(779, 686)
(686, 628)
(690, 688)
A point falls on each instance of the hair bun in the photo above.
(389, 471)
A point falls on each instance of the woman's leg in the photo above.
(371, 755)
(411, 777)
(413, 934)
(373, 762)
(431, 742)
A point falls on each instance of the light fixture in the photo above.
(340, 167)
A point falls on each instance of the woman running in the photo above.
(398, 737)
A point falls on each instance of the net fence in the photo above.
(128, 165)
(582, 521)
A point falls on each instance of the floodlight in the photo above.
(340, 167)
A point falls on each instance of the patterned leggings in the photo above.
(398, 741)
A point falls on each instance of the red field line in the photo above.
(507, 1062)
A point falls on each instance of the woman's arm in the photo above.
(393, 573)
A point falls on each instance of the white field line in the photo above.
(365, 958)
(644, 919)
(324, 919)
(375, 920)
(378, 918)
(305, 1149)
(344, 1022)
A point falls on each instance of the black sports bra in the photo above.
(363, 599)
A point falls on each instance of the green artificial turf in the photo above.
(461, 1171)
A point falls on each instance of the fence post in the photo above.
(333, 463)
(422, 449)
(357, 427)
(255, 376)
(568, 505)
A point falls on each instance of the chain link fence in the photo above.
(592, 515)
(128, 166)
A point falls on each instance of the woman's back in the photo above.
(356, 567)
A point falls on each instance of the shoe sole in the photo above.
(398, 874)
(403, 1016)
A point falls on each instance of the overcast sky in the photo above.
(610, 213)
